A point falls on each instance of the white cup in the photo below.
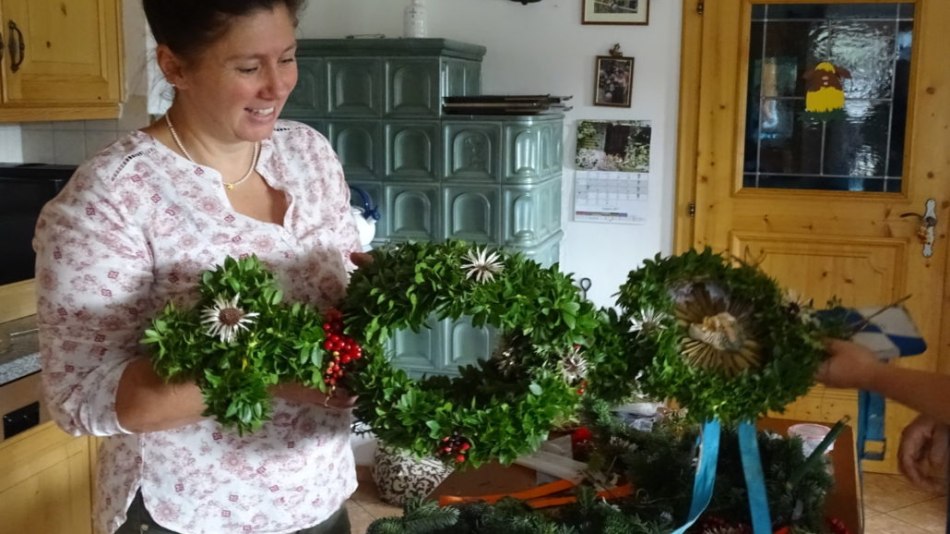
(811, 435)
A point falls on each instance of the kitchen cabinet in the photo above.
(46, 482)
(60, 60)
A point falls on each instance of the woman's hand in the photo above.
(361, 259)
(339, 399)
(849, 366)
(923, 453)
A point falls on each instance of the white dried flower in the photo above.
(573, 366)
(481, 265)
(647, 319)
(225, 318)
(799, 306)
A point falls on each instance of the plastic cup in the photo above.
(811, 434)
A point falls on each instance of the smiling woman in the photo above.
(220, 175)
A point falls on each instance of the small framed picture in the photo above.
(614, 81)
(616, 12)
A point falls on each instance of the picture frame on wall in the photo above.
(613, 81)
(616, 12)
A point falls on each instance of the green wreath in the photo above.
(722, 339)
(504, 406)
(240, 339)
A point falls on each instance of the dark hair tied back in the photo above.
(187, 27)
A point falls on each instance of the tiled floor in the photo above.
(365, 507)
(891, 506)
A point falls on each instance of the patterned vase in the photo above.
(400, 476)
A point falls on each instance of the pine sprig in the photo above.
(661, 464)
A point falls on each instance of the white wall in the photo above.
(544, 48)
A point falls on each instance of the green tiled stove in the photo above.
(493, 179)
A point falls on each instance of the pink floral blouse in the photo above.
(132, 230)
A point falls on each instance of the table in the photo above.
(844, 501)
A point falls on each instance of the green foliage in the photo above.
(661, 464)
(283, 344)
(538, 309)
(418, 516)
(792, 342)
(589, 514)
(614, 376)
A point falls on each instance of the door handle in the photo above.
(14, 46)
(927, 229)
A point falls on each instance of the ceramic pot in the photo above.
(400, 476)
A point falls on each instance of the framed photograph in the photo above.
(616, 12)
(614, 81)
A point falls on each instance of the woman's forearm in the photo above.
(145, 403)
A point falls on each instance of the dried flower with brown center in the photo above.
(225, 318)
(718, 333)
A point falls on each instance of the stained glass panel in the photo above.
(827, 96)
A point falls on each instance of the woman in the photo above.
(218, 175)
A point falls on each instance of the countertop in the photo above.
(19, 367)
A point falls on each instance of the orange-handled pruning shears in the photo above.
(540, 496)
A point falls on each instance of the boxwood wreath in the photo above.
(240, 339)
(505, 405)
(720, 337)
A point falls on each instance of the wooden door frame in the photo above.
(688, 130)
(687, 134)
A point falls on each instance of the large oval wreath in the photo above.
(720, 337)
(506, 405)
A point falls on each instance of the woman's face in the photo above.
(236, 88)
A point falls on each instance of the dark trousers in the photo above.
(138, 520)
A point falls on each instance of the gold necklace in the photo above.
(228, 186)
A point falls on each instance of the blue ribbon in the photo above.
(705, 473)
(754, 479)
(871, 408)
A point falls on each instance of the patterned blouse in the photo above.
(131, 231)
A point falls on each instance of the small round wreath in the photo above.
(240, 339)
(504, 406)
(722, 339)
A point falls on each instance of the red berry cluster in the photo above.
(837, 526)
(455, 446)
(343, 349)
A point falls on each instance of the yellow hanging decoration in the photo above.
(824, 93)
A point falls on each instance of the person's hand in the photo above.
(923, 453)
(361, 259)
(849, 365)
(340, 398)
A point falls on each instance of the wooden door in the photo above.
(69, 57)
(822, 193)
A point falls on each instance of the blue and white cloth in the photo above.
(890, 333)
